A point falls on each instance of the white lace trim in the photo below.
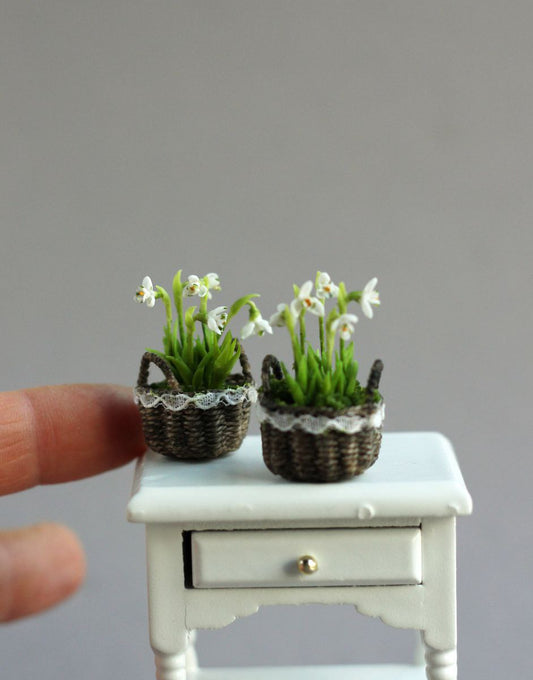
(204, 400)
(319, 424)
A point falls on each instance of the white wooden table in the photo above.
(226, 537)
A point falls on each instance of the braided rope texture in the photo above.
(193, 426)
(329, 456)
(194, 432)
(310, 444)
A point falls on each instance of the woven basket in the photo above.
(193, 429)
(291, 450)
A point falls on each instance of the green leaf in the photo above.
(225, 362)
(177, 288)
(198, 379)
(227, 368)
(175, 341)
(351, 378)
(311, 389)
(314, 366)
(211, 338)
(336, 379)
(294, 388)
(182, 371)
(301, 373)
(188, 351)
(227, 339)
(167, 340)
(326, 385)
(341, 384)
(227, 350)
(228, 353)
(199, 350)
(347, 355)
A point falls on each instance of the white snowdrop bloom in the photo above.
(212, 281)
(345, 325)
(325, 288)
(278, 318)
(145, 292)
(369, 297)
(256, 326)
(216, 319)
(306, 302)
(194, 286)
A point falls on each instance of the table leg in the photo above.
(441, 664)
(169, 638)
(176, 666)
(191, 659)
(440, 630)
(170, 666)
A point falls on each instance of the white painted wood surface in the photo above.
(415, 489)
(416, 475)
(345, 557)
(376, 672)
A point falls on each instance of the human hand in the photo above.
(49, 435)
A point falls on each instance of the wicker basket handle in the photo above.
(270, 365)
(147, 359)
(245, 365)
(373, 379)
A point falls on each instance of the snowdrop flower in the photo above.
(212, 281)
(256, 326)
(216, 319)
(369, 297)
(345, 325)
(145, 292)
(325, 288)
(278, 318)
(304, 301)
(194, 287)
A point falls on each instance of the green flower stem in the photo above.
(354, 296)
(179, 308)
(301, 320)
(297, 353)
(203, 305)
(168, 305)
(321, 334)
(330, 346)
(177, 289)
(342, 300)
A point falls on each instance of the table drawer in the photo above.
(273, 558)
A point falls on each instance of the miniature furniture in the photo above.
(226, 536)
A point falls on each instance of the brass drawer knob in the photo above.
(307, 564)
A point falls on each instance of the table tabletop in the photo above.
(416, 475)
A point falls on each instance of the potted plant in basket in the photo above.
(201, 409)
(318, 423)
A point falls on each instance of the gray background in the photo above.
(265, 140)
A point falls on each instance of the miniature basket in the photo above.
(189, 425)
(310, 444)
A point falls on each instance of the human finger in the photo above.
(65, 432)
(39, 567)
